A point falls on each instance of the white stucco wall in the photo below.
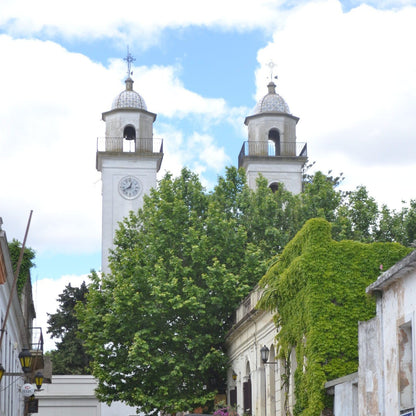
(288, 172)
(387, 361)
(254, 329)
(11, 398)
(73, 395)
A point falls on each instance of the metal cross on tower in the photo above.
(129, 59)
(271, 65)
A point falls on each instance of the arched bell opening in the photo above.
(129, 133)
(274, 137)
(274, 186)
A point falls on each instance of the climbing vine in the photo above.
(317, 285)
(27, 263)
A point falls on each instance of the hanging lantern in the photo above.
(38, 379)
(2, 370)
(25, 358)
(264, 352)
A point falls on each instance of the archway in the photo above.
(129, 133)
(247, 391)
(274, 186)
(274, 137)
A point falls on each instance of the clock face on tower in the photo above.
(129, 187)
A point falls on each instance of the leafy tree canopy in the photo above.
(70, 356)
(155, 326)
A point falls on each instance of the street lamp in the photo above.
(25, 358)
(2, 370)
(264, 353)
(38, 380)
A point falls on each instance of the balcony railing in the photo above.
(122, 145)
(37, 339)
(271, 149)
(36, 348)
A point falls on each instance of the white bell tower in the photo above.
(272, 148)
(128, 158)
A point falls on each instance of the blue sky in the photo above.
(345, 68)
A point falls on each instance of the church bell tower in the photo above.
(128, 158)
(272, 149)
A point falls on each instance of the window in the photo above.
(405, 367)
(274, 136)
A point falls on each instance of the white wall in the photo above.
(73, 395)
(387, 344)
(11, 399)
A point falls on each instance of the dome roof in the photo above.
(272, 102)
(129, 98)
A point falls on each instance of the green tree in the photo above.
(155, 326)
(70, 356)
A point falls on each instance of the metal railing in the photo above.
(121, 145)
(37, 338)
(271, 149)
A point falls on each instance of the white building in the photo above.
(254, 387)
(387, 372)
(128, 158)
(17, 334)
(70, 395)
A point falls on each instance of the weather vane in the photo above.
(129, 59)
(272, 65)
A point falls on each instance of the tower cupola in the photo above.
(272, 102)
(272, 149)
(129, 98)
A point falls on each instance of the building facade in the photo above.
(18, 334)
(128, 158)
(272, 149)
(70, 395)
(255, 387)
(387, 372)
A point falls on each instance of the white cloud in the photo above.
(168, 96)
(349, 76)
(127, 20)
(50, 118)
(45, 295)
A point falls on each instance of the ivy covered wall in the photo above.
(317, 286)
(27, 263)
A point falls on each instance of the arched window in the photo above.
(129, 133)
(247, 391)
(274, 186)
(274, 136)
